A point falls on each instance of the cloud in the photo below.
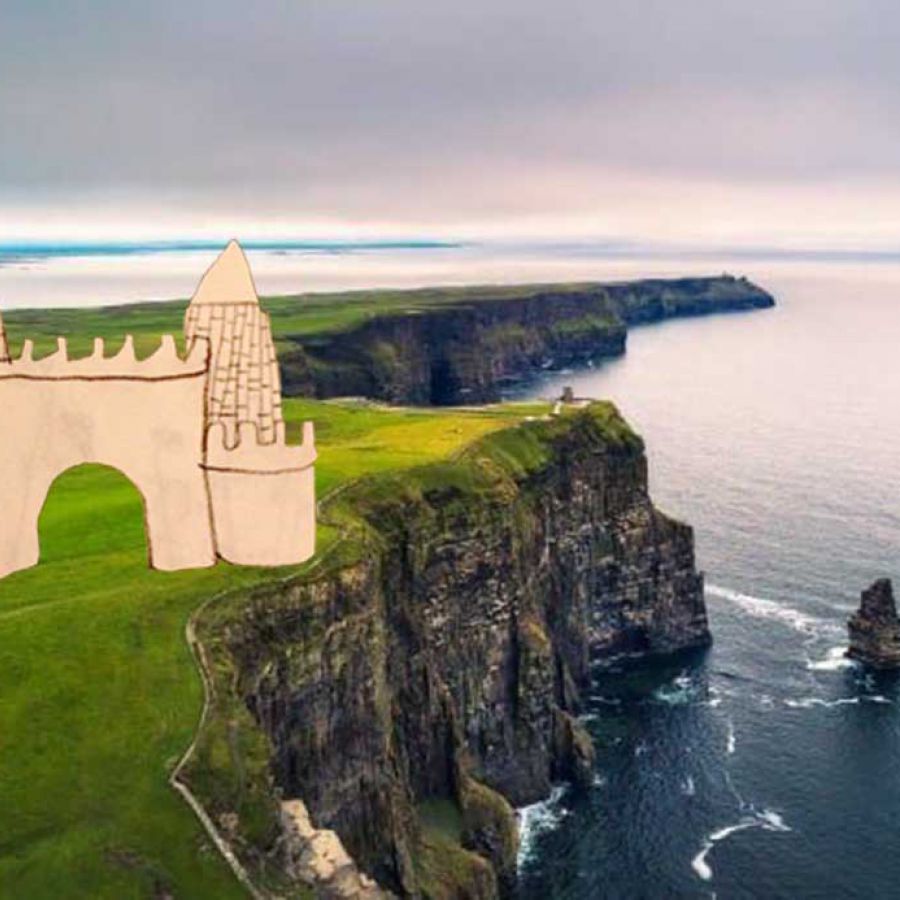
(444, 114)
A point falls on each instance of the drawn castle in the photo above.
(201, 437)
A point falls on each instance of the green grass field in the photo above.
(99, 694)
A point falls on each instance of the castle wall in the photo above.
(151, 431)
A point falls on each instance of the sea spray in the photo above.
(766, 819)
(835, 660)
(537, 819)
(763, 608)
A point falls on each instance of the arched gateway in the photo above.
(201, 437)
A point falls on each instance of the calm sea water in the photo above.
(767, 767)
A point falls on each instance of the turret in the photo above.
(261, 489)
(244, 384)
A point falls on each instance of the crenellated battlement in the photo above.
(163, 364)
(243, 449)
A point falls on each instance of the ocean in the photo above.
(769, 766)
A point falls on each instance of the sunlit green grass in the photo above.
(99, 695)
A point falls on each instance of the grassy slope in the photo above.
(99, 694)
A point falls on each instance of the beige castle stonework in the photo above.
(201, 437)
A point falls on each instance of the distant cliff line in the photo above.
(463, 346)
(431, 346)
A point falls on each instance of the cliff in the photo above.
(464, 346)
(425, 675)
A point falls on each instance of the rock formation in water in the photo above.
(463, 347)
(874, 629)
(428, 676)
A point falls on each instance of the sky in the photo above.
(708, 122)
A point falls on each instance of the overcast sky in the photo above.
(759, 121)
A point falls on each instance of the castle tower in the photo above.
(4, 344)
(262, 491)
(244, 384)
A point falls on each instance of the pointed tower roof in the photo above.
(4, 345)
(227, 280)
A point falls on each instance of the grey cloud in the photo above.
(411, 108)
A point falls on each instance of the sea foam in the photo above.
(537, 819)
(762, 608)
(767, 819)
(730, 739)
(835, 660)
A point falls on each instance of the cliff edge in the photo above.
(425, 676)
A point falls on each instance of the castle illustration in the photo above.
(201, 436)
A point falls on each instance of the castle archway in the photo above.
(93, 510)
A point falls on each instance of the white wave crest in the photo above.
(767, 819)
(730, 740)
(811, 702)
(761, 608)
(679, 692)
(537, 819)
(687, 787)
(835, 660)
(606, 701)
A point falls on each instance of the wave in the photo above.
(762, 608)
(606, 701)
(767, 819)
(537, 819)
(730, 740)
(679, 692)
(810, 702)
(687, 787)
(835, 660)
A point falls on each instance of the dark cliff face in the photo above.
(465, 352)
(446, 661)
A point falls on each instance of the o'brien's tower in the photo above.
(262, 492)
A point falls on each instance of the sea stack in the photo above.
(874, 629)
